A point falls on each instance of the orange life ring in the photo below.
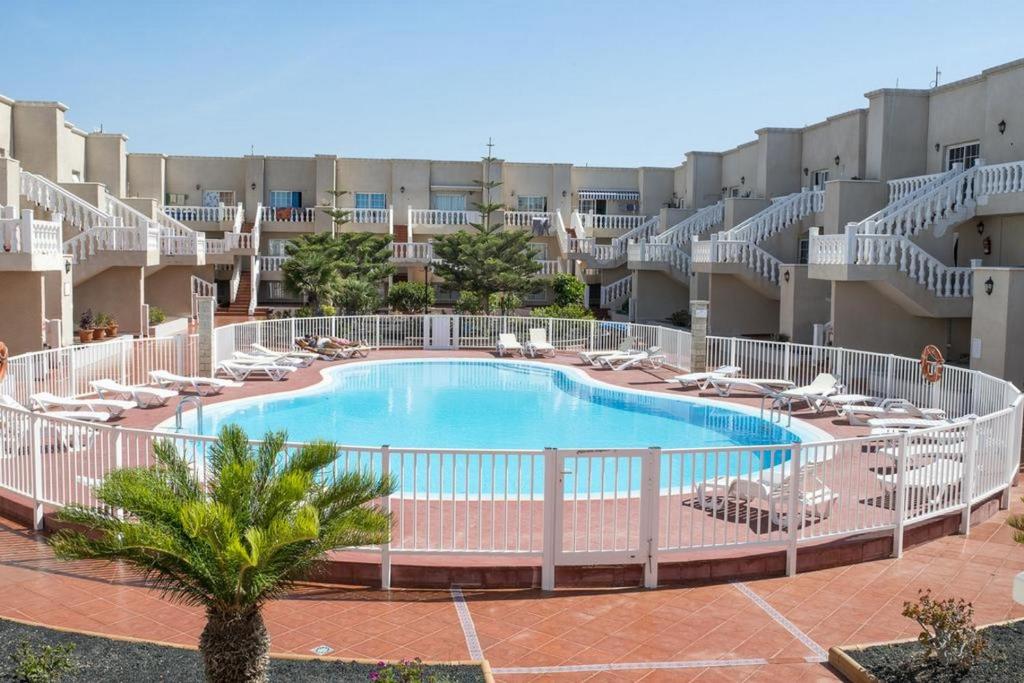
(932, 363)
(4, 355)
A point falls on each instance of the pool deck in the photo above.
(757, 630)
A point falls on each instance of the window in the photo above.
(449, 202)
(805, 249)
(371, 200)
(285, 199)
(732, 192)
(176, 199)
(276, 247)
(532, 203)
(588, 206)
(967, 154)
(819, 178)
(218, 197)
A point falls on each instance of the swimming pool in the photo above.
(442, 406)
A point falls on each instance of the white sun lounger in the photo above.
(702, 379)
(307, 357)
(889, 408)
(761, 387)
(507, 343)
(772, 486)
(539, 344)
(812, 394)
(839, 402)
(144, 397)
(652, 357)
(240, 371)
(590, 357)
(260, 359)
(926, 485)
(204, 386)
(80, 415)
(904, 423)
(44, 401)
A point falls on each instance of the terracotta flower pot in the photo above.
(112, 330)
(98, 332)
(85, 336)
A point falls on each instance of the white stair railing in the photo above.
(204, 214)
(682, 233)
(88, 243)
(919, 265)
(255, 288)
(577, 226)
(610, 254)
(783, 213)
(54, 198)
(419, 252)
(561, 234)
(657, 252)
(236, 280)
(239, 218)
(902, 189)
(272, 263)
(742, 252)
(937, 205)
(257, 226)
(197, 288)
(615, 292)
(549, 267)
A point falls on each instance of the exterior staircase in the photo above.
(240, 306)
(611, 255)
(667, 252)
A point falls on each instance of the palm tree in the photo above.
(311, 271)
(233, 540)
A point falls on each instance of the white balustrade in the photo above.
(617, 291)
(661, 253)
(204, 214)
(88, 243)
(919, 265)
(827, 250)
(532, 220)
(903, 188)
(197, 288)
(999, 178)
(783, 213)
(549, 267)
(683, 232)
(616, 222)
(743, 253)
(282, 214)
(418, 252)
(54, 198)
(272, 263)
(434, 217)
(26, 235)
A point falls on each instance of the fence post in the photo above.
(125, 348)
(118, 461)
(551, 532)
(890, 368)
(698, 336)
(206, 356)
(37, 472)
(794, 515)
(649, 513)
(901, 496)
(292, 335)
(376, 331)
(179, 352)
(385, 548)
(732, 351)
(786, 362)
(967, 484)
(593, 333)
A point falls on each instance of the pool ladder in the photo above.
(185, 400)
(775, 410)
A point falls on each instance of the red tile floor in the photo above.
(769, 629)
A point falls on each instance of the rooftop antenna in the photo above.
(935, 83)
(252, 150)
(490, 146)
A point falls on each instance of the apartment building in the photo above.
(883, 228)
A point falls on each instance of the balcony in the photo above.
(608, 225)
(412, 253)
(27, 244)
(284, 214)
(440, 221)
(218, 215)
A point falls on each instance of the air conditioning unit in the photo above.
(632, 207)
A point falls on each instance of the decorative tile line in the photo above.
(466, 620)
(820, 654)
(628, 666)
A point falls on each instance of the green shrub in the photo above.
(469, 303)
(48, 664)
(406, 671)
(303, 312)
(505, 302)
(328, 310)
(680, 318)
(102, 319)
(156, 315)
(568, 289)
(86, 321)
(356, 297)
(947, 630)
(571, 311)
(410, 297)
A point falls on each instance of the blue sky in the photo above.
(599, 83)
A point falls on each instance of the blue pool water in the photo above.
(459, 404)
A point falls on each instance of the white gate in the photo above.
(605, 508)
(441, 332)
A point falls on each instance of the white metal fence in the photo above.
(567, 506)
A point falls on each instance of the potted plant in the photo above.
(112, 326)
(99, 327)
(85, 323)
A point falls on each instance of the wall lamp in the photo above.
(936, 147)
(253, 186)
(564, 193)
(743, 180)
(67, 267)
(785, 276)
(981, 227)
(806, 171)
(402, 189)
(837, 160)
(1002, 126)
(989, 286)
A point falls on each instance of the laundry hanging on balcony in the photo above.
(614, 195)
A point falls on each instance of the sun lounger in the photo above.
(80, 415)
(539, 344)
(332, 349)
(652, 357)
(44, 401)
(203, 386)
(144, 397)
(812, 394)
(590, 357)
(702, 379)
(889, 408)
(904, 423)
(260, 359)
(242, 371)
(306, 356)
(761, 387)
(507, 343)
(772, 487)
(839, 402)
(926, 486)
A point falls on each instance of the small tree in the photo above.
(505, 302)
(232, 541)
(309, 270)
(947, 630)
(489, 259)
(571, 311)
(567, 289)
(357, 297)
(469, 302)
(411, 297)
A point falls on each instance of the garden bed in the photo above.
(107, 659)
(1003, 660)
